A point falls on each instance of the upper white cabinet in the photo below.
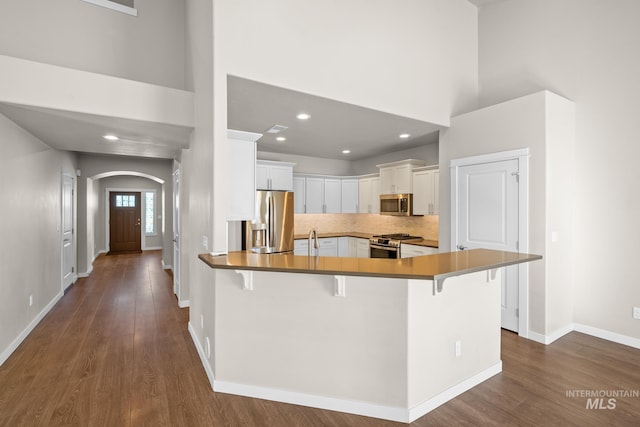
(349, 203)
(325, 194)
(369, 194)
(298, 194)
(322, 195)
(241, 194)
(396, 177)
(274, 175)
(426, 191)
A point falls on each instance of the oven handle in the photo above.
(385, 248)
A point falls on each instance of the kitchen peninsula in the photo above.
(391, 339)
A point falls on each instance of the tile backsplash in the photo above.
(425, 226)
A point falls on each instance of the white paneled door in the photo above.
(68, 262)
(487, 209)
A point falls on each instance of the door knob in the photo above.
(462, 248)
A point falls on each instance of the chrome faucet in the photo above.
(313, 234)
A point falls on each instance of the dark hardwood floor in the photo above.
(115, 351)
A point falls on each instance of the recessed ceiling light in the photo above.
(281, 138)
(346, 151)
(111, 137)
(404, 135)
(303, 116)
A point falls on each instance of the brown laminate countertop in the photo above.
(428, 267)
(422, 242)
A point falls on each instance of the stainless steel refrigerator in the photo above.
(272, 229)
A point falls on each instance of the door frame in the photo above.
(74, 226)
(522, 156)
(107, 215)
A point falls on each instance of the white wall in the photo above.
(94, 164)
(525, 123)
(79, 35)
(196, 165)
(585, 50)
(418, 61)
(31, 260)
(306, 164)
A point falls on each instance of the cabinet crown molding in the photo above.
(413, 162)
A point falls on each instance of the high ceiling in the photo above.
(333, 127)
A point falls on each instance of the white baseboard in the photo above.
(441, 398)
(184, 303)
(607, 335)
(16, 342)
(391, 413)
(203, 359)
(555, 335)
(589, 330)
(153, 248)
(86, 273)
(352, 407)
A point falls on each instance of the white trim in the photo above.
(391, 413)
(154, 248)
(166, 266)
(204, 360)
(588, 330)
(607, 335)
(16, 342)
(522, 156)
(184, 303)
(452, 392)
(114, 6)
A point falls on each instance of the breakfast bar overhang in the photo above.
(390, 339)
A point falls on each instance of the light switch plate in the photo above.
(636, 312)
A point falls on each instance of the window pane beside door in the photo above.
(149, 205)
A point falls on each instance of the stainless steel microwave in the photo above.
(396, 204)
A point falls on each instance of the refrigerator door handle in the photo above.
(271, 221)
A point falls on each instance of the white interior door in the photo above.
(176, 234)
(487, 208)
(68, 262)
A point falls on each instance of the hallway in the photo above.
(115, 351)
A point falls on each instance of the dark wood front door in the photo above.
(124, 222)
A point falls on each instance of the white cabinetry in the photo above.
(369, 194)
(409, 251)
(343, 246)
(301, 247)
(242, 175)
(328, 246)
(362, 246)
(274, 175)
(396, 177)
(298, 194)
(321, 195)
(426, 191)
(349, 203)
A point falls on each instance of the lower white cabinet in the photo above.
(409, 251)
(343, 246)
(362, 248)
(300, 247)
(328, 246)
(351, 247)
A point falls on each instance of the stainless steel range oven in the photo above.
(388, 245)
